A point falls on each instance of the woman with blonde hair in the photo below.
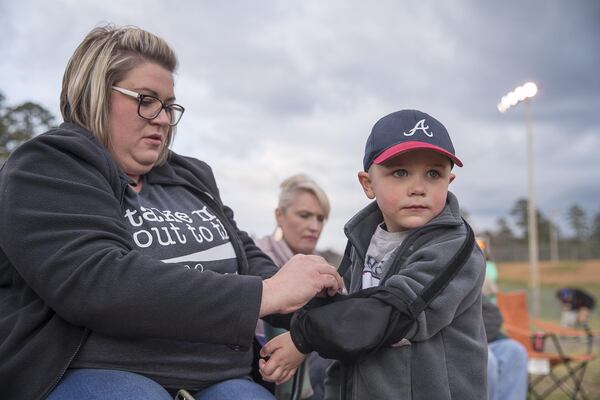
(122, 274)
(303, 208)
(301, 213)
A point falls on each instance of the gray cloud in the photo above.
(273, 88)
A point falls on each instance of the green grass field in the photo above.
(585, 275)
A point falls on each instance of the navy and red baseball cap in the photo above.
(407, 130)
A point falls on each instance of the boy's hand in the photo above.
(283, 361)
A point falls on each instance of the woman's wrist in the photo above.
(267, 304)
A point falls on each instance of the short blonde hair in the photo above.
(301, 183)
(102, 59)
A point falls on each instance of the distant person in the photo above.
(301, 213)
(507, 358)
(577, 305)
(412, 326)
(122, 274)
(490, 285)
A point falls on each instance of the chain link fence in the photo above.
(519, 251)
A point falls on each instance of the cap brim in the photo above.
(408, 146)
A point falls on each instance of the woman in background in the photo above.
(301, 213)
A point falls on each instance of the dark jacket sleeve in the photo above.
(62, 229)
(335, 327)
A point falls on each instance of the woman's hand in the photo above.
(284, 359)
(298, 281)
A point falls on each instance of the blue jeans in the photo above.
(507, 370)
(104, 384)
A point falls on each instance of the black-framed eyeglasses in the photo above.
(149, 106)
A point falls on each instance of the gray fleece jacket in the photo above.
(446, 353)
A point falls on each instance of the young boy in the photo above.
(411, 327)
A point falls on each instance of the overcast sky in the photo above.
(273, 88)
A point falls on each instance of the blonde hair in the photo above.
(102, 59)
(301, 183)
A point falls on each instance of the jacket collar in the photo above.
(178, 170)
(360, 228)
(164, 174)
(80, 131)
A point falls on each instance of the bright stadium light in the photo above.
(520, 93)
(525, 93)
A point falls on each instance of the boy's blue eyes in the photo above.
(431, 173)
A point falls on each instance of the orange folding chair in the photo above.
(550, 366)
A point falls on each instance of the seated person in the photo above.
(507, 359)
(302, 210)
(577, 304)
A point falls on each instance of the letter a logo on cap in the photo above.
(419, 126)
(392, 135)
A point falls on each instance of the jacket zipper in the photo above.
(409, 241)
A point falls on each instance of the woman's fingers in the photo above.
(272, 375)
(298, 281)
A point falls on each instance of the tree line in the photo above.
(508, 244)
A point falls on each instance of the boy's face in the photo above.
(410, 188)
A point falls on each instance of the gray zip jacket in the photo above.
(446, 353)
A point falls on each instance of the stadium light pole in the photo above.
(520, 94)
